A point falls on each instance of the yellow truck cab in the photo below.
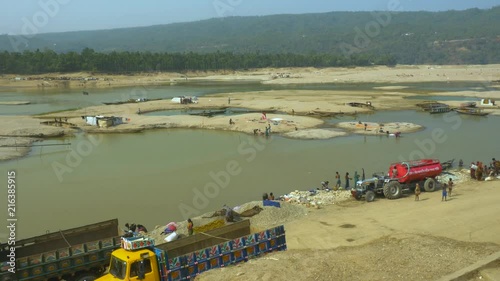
(132, 265)
(183, 259)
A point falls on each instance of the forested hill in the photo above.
(452, 37)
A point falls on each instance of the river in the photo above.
(156, 177)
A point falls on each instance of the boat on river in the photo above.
(359, 104)
(131, 101)
(430, 105)
(442, 108)
(468, 104)
(447, 164)
(209, 113)
(471, 111)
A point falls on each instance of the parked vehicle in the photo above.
(369, 187)
(401, 176)
(77, 254)
(405, 175)
(183, 259)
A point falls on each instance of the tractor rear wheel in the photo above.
(430, 185)
(392, 190)
(370, 196)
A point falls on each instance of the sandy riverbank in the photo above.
(376, 74)
(356, 240)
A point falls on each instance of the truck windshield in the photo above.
(117, 267)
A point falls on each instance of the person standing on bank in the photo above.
(417, 192)
(190, 227)
(356, 177)
(445, 193)
(450, 187)
(337, 177)
(347, 178)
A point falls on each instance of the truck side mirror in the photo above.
(142, 272)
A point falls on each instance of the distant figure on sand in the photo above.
(460, 163)
(337, 177)
(271, 196)
(229, 100)
(473, 168)
(417, 192)
(479, 171)
(450, 187)
(445, 193)
(190, 227)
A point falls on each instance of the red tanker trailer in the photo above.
(404, 175)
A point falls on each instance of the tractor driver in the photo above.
(394, 172)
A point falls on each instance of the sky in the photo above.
(45, 16)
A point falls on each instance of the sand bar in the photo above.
(379, 128)
(298, 110)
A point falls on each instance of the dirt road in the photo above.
(384, 240)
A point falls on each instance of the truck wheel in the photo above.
(85, 277)
(430, 185)
(370, 196)
(392, 190)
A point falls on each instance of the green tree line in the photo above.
(36, 62)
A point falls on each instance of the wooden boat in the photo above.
(209, 113)
(59, 124)
(326, 113)
(468, 104)
(447, 164)
(359, 104)
(428, 106)
(439, 109)
(131, 101)
(471, 111)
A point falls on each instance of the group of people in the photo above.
(347, 180)
(480, 171)
(269, 196)
(132, 230)
(338, 181)
(447, 193)
(257, 132)
(446, 190)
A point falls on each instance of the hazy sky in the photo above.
(43, 16)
